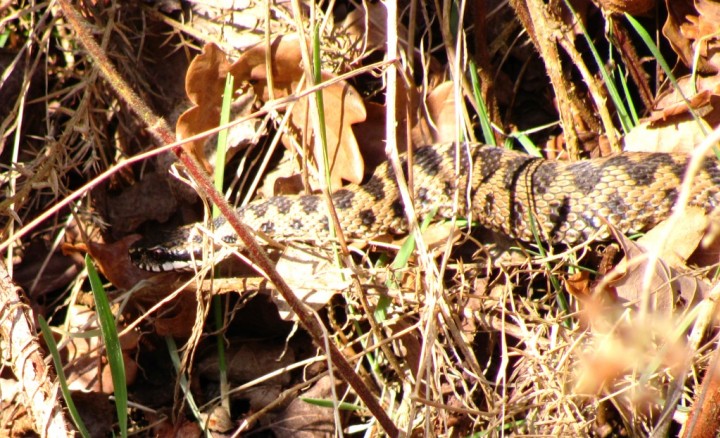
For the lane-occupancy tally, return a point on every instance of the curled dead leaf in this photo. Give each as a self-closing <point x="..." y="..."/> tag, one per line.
<point x="666" y="288"/>
<point x="286" y="76"/>
<point x="204" y="84"/>
<point x="699" y="94"/>
<point x="691" y="27"/>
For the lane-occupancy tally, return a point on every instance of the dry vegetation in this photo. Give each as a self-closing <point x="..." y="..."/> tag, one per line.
<point x="458" y="333"/>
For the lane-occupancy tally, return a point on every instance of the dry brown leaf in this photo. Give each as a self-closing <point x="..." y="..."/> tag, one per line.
<point x="39" y="273"/>
<point x="433" y="122"/>
<point x="441" y="106"/>
<point x="87" y="368"/>
<point x="304" y="420"/>
<point x="177" y="319"/>
<point x="371" y="133"/>
<point x="149" y="199"/>
<point x="698" y="93"/>
<point x="314" y="280"/>
<point x="284" y="179"/>
<point x="82" y="354"/>
<point x="692" y="27"/>
<point x="681" y="137"/>
<point x="703" y="30"/>
<point x="671" y="127"/>
<point x="204" y="84"/>
<point x="366" y="27"/>
<point x="343" y="108"/>
<point x="343" y="105"/>
<point x="578" y="285"/>
<point x="183" y="428"/>
<point x="286" y="66"/>
<point x="131" y="370"/>
<point x="628" y="280"/>
<point x="250" y="360"/>
<point x="675" y="245"/>
<point x="667" y="284"/>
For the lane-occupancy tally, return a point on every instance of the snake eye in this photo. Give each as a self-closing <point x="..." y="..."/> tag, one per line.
<point x="229" y="239"/>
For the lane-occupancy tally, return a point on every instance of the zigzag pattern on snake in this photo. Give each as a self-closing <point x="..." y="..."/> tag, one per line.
<point x="569" y="201"/>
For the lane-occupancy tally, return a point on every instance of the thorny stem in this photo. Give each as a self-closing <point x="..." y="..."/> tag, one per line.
<point x="266" y="268"/>
<point x="158" y="127"/>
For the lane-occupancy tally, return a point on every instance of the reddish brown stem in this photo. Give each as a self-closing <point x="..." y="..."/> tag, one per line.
<point x="306" y="318"/>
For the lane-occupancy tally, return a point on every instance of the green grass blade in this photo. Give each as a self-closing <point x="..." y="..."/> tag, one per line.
<point x="320" y="103"/>
<point x="217" y="301"/>
<point x="317" y="79"/>
<point x="408" y="247"/>
<point x="485" y="124"/>
<point x="184" y="385"/>
<point x="625" y="119"/>
<point x="527" y="144"/>
<point x="650" y="44"/>
<point x="559" y="295"/>
<point x="4" y="38"/>
<point x="400" y="262"/>
<point x="222" y="139"/>
<point x="626" y="91"/>
<point x="219" y="319"/>
<point x="343" y="406"/>
<point x="642" y="33"/>
<point x="666" y="68"/>
<point x="52" y="347"/>
<point x="112" y="345"/>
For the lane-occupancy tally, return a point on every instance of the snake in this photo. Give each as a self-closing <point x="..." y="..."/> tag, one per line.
<point x="515" y="194"/>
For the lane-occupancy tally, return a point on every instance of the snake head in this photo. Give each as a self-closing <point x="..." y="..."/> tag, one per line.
<point x="163" y="259"/>
<point x="178" y="250"/>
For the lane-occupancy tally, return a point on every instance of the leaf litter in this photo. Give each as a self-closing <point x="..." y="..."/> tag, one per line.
<point x="496" y="353"/>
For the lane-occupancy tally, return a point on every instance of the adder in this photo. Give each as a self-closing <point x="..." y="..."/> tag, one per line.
<point x="505" y="191"/>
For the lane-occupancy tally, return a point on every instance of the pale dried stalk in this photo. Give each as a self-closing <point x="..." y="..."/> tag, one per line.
<point x="22" y="351"/>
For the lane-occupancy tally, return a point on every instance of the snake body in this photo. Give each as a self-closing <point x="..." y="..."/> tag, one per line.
<point x="505" y="191"/>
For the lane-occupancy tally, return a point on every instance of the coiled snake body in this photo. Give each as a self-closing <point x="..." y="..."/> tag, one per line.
<point x="506" y="191"/>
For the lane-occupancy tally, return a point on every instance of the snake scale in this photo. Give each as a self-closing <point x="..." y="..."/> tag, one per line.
<point x="501" y="189"/>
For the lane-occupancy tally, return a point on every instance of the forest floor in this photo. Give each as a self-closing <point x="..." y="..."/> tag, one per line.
<point x="109" y="116"/>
